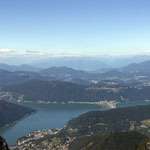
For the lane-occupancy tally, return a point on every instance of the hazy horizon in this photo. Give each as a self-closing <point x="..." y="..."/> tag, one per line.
<point x="87" y="63"/>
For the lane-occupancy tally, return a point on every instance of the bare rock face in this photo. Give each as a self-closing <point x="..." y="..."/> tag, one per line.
<point x="3" y="144"/>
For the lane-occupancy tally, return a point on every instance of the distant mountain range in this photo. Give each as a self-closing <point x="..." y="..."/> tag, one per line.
<point x="64" y="73"/>
<point x="10" y="113"/>
<point x="8" y="78"/>
<point x="143" y="67"/>
<point x="138" y="67"/>
<point x="86" y="64"/>
<point x="76" y="62"/>
<point x="121" y="61"/>
<point x="23" y="67"/>
<point x="91" y="63"/>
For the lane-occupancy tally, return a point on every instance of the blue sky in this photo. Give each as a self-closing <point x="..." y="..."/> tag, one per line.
<point x="87" y="27"/>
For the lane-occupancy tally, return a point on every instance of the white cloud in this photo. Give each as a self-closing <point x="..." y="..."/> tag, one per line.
<point x="6" y="51"/>
<point x="147" y="52"/>
<point x="63" y="54"/>
<point x="32" y="53"/>
<point x="12" y="53"/>
<point x="50" y="53"/>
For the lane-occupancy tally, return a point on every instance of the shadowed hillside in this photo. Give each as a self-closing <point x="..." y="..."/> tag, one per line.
<point x="11" y="112"/>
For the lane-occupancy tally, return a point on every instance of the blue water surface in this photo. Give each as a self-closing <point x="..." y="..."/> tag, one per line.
<point x="50" y="116"/>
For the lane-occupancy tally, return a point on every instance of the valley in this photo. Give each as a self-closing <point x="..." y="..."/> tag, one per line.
<point x="62" y="92"/>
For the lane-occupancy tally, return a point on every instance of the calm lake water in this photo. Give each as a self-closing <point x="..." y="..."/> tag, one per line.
<point x="50" y="116"/>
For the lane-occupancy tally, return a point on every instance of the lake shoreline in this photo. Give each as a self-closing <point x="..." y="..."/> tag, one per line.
<point x="52" y="115"/>
<point x="14" y="122"/>
<point x="108" y="104"/>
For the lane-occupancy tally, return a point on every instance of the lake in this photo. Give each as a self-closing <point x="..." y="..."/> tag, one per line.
<point x="50" y="116"/>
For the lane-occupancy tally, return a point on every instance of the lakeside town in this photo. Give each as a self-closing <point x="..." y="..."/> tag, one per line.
<point x="30" y="141"/>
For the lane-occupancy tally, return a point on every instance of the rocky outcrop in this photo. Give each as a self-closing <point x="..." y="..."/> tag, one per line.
<point x="3" y="144"/>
